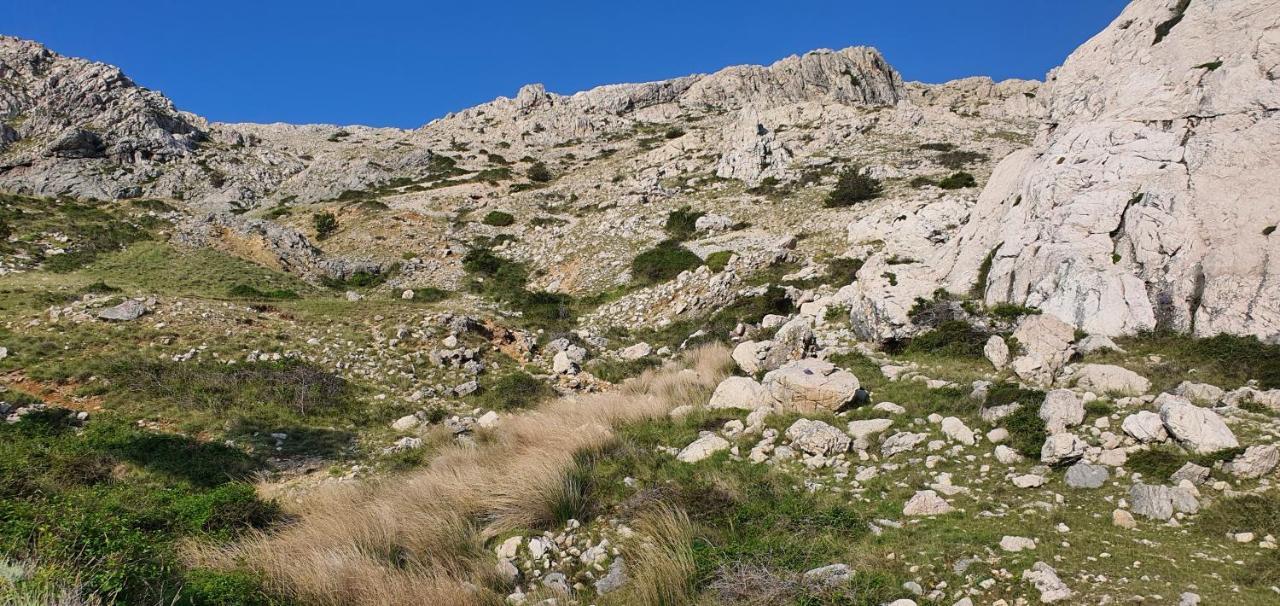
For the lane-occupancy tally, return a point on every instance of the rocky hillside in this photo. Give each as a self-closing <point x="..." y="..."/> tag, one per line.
<point x="791" y="334"/>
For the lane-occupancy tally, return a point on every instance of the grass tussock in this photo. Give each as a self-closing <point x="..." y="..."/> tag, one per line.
<point x="662" y="562"/>
<point x="420" y="538"/>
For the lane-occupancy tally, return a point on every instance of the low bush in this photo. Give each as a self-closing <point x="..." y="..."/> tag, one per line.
<point x="853" y="187"/>
<point x="1026" y="429"/>
<point x="718" y="260"/>
<point x="663" y="262"/>
<point x="497" y="218"/>
<point x="681" y="223"/>
<point x="957" y="159"/>
<point x="244" y="291"/>
<point x="325" y="224"/>
<point x="842" y="271"/>
<point x="539" y="173"/>
<point x="958" y="180"/>
<point x="514" y="391"/>
<point x="951" y="338"/>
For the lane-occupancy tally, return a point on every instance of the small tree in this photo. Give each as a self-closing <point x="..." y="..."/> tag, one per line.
<point x="325" y="224"/>
<point x="539" y="172"/>
<point x="853" y="187"/>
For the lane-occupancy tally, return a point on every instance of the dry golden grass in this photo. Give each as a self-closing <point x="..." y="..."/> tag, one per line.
<point x="660" y="563"/>
<point x="420" y="537"/>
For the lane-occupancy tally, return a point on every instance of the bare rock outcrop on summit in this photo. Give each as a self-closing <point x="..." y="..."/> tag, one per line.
<point x="1147" y="198"/>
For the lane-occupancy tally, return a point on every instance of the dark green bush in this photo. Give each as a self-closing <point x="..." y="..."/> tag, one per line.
<point x="853" y="187"/>
<point x="663" y="262"/>
<point x="681" y="223"/>
<point x="1011" y="311"/>
<point x="842" y="271"/>
<point x="539" y="173"/>
<point x="957" y="159"/>
<point x="514" y="391"/>
<point x="718" y="260"/>
<point x="325" y="224"/>
<point x="951" y="338"/>
<point x="958" y="180"/>
<point x="1027" y="431"/>
<point x="498" y="218"/>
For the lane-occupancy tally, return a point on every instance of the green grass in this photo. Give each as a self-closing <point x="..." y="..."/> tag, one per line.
<point x="718" y="260"/>
<point x="111" y="506"/>
<point x="1224" y="360"/>
<point x="507" y="281"/>
<point x="617" y="370"/>
<point x="953" y="338"/>
<point x="93" y="229"/>
<point x="160" y="268"/>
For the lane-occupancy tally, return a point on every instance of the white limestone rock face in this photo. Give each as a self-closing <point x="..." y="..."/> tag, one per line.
<point x="1144" y="198"/>
<point x="1199" y="429"/>
<point x="706" y="445"/>
<point x="1145" y="426"/>
<point x="926" y="503"/>
<point x="753" y="153"/>
<point x="1254" y="462"/>
<point x="996" y="351"/>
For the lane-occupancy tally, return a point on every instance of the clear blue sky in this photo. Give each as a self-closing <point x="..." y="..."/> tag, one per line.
<point x="402" y="63"/>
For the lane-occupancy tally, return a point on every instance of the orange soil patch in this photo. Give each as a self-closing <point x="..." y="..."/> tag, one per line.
<point x="61" y="395"/>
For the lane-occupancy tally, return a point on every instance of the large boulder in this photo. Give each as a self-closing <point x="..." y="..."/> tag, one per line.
<point x="810" y="385"/>
<point x="1254" y="462"/>
<point x="817" y="438"/>
<point x="702" y="448"/>
<point x="1199" y="429"/>
<point x="743" y="393"/>
<point x="1061" y="409"/>
<point x="1112" y="380"/>
<point x="1062" y="448"/>
<point x="1145" y="426"/>
<point x="1046" y="343"/>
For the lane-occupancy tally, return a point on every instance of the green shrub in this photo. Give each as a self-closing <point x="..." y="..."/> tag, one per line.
<point x="539" y="173"/>
<point x="940" y="147"/>
<point x="616" y="371"/>
<point x="514" y="391"/>
<point x="426" y="294"/>
<point x="325" y="224"/>
<point x="842" y="271"/>
<point x="979" y="288"/>
<point x="1012" y="311"/>
<point x="663" y="262"/>
<point x="951" y="338"/>
<point x="497" y="218"/>
<point x="718" y="260"/>
<point x="853" y="187"/>
<point x="921" y="181"/>
<point x="674" y="133"/>
<point x="682" y="223"/>
<point x="358" y="279"/>
<point x="1026" y="429"/>
<point x="957" y="159"/>
<point x="958" y="180"/>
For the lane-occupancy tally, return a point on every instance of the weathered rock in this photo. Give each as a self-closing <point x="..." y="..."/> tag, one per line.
<point x="1145" y="426"/>
<point x="1097" y="343"/>
<point x="1061" y="409"/>
<point x="955" y="429"/>
<point x="1046" y="581"/>
<point x="810" y="385"/>
<point x="1254" y="462"/>
<point x="1047" y="343"/>
<point x="635" y="352"/>
<point x="831" y="575"/>
<point x="615" y="579"/>
<point x="706" y="445"/>
<point x="901" y="442"/>
<point x="743" y="393"/>
<point x="1091" y="224"/>
<point x="996" y="351"/>
<point x="1159" y="502"/>
<point x="926" y="503"/>
<point x="1062" y="448"/>
<point x="1199" y="393"/>
<point x="749" y="355"/>
<point x="1123" y="519"/>
<point x="1112" y="380"/>
<point x="794" y="341"/>
<point x="1014" y="544"/>
<point x="1199" y="429"/>
<point x="1191" y="472"/>
<point x="1085" y="475"/>
<point x="125" y="312"/>
<point x="817" y="438"/>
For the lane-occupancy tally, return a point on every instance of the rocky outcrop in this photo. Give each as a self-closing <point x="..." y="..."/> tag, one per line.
<point x="1145" y="199"/>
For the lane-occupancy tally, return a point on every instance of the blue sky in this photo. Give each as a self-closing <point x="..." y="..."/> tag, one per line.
<point x="402" y="63"/>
